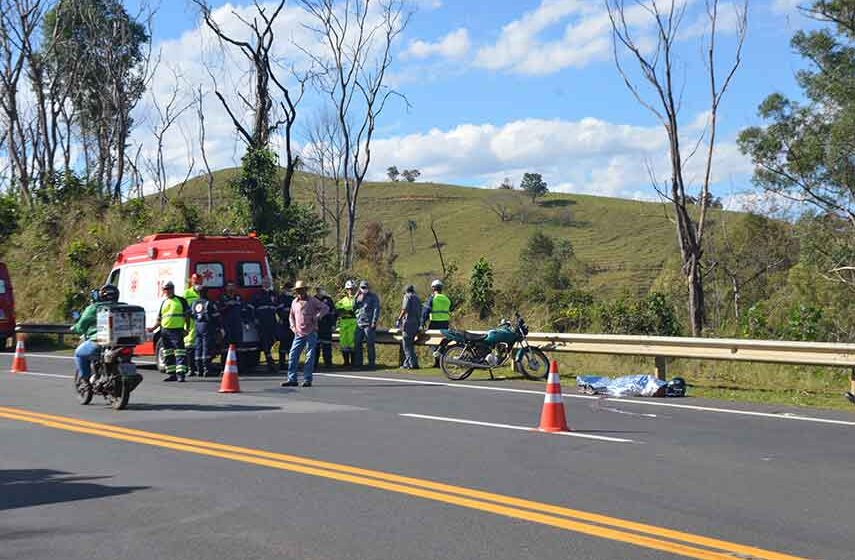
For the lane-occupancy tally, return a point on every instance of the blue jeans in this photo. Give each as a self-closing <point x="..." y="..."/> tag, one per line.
<point x="364" y="334"/>
<point x="83" y="356"/>
<point x="311" y="342"/>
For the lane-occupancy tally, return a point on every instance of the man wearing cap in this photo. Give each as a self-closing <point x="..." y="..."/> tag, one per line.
<point x="305" y="313"/>
<point x="346" y="322"/>
<point x="366" y="307"/>
<point x="408" y="322"/>
<point x="437" y="311"/>
<point x="172" y="320"/>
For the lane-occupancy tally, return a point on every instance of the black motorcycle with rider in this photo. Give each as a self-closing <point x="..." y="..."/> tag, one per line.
<point x="104" y="359"/>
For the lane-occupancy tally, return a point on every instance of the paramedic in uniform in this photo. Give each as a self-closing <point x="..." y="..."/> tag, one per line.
<point x="206" y="317"/>
<point x="232" y="311"/>
<point x="263" y="309"/>
<point x="284" y="334"/>
<point x="172" y="320"/>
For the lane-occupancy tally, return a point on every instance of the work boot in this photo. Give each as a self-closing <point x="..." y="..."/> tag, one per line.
<point x="172" y="377"/>
<point x="181" y="379"/>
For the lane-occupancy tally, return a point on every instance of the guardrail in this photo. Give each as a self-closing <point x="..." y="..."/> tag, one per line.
<point x="661" y="348"/>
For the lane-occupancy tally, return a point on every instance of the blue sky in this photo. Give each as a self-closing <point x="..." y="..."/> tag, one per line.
<point x="497" y="88"/>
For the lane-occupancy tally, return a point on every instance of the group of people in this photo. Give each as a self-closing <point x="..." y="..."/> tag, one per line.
<point x="192" y="326"/>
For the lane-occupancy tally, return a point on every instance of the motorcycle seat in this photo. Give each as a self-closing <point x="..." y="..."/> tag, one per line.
<point x="469" y="336"/>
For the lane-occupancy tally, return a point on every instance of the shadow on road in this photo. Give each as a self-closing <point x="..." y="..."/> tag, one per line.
<point x="202" y="407"/>
<point x="35" y="487"/>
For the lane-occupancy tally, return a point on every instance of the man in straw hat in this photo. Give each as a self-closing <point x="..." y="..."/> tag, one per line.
<point x="306" y="311"/>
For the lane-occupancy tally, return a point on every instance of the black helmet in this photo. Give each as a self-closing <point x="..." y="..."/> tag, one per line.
<point x="108" y="292"/>
<point x="676" y="387"/>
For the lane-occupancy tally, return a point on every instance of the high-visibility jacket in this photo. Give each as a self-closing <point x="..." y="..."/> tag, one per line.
<point x="190" y="295"/>
<point x="440" y="308"/>
<point x="173" y="313"/>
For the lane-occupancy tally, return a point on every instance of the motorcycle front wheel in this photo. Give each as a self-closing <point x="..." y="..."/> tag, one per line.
<point x="83" y="390"/>
<point x="453" y="371"/>
<point x="533" y="364"/>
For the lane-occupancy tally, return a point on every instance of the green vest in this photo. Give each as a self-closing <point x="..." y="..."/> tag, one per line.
<point x="191" y="296"/>
<point x="172" y="314"/>
<point x="344" y="308"/>
<point x="440" y="308"/>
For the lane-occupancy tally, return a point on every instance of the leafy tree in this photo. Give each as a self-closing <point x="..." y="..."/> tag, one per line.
<point x="482" y="296"/>
<point x="652" y="315"/>
<point x="804" y="151"/>
<point x="99" y="56"/>
<point x="534" y="185"/>
<point x="393" y="173"/>
<point x="410" y="175"/>
<point x="9" y="213"/>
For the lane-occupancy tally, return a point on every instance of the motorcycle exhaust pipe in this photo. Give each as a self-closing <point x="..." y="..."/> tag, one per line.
<point x="464" y="363"/>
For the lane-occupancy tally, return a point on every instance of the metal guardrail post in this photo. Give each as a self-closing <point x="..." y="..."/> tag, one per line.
<point x="661" y="368"/>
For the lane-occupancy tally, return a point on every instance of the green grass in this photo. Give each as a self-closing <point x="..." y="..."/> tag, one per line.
<point x="622" y="243"/>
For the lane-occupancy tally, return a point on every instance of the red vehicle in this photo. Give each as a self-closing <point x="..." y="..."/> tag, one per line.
<point x="7" y="307"/>
<point x="141" y="270"/>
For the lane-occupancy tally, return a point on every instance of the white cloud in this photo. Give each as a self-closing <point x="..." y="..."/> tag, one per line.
<point x="586" y="156"/>
<point x="454" y="45"/>
<point x="786" y="6"/>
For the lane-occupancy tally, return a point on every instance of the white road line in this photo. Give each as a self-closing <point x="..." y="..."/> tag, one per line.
<point x="61" y="376"/>
<point x="521" y="428"/>
<point x="55" y="357"/>
<point x="698" y="408"/>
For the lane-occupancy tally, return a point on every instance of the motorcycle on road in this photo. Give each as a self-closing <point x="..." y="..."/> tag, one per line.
<point x="114" y="376"/>
<point x="463" y="352"/>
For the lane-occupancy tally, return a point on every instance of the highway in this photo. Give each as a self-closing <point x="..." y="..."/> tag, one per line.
<point x="391" y="466"/>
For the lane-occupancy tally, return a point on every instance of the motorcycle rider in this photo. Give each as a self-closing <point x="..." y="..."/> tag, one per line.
<point x="346" y="322"/>
<point x="437" y="311"/>
<point x="87" y="326"/>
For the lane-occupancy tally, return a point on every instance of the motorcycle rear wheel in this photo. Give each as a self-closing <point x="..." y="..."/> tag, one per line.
<point x="84" y="392"/>
<point x="453" y="371"/>
<point x="119" y="400"/>
<point x="533" y="364"/>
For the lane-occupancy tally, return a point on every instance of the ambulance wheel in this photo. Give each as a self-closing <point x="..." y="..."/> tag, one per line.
<point x="158" y="353"/>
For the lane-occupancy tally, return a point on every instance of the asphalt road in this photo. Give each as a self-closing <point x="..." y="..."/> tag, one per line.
<point x="317" y="473"/>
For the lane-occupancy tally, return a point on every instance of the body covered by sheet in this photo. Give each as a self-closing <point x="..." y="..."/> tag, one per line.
<point x="628" y="386"/>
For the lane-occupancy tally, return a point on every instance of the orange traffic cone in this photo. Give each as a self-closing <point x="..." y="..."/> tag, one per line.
<point x="19" y="362"/>
<point x="552" y="418"/>
<point x="230" y="382"/>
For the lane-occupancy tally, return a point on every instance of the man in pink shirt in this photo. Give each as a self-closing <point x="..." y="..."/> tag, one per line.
<point x="305" y="313"/>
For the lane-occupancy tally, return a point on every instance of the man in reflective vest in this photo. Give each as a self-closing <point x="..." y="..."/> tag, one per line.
<point x="436" y="312"/>
<point x="191" y="294"/>
<point x="172" y="321"/>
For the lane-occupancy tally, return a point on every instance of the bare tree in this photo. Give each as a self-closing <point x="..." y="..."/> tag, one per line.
<point x="325" y="158"/>
<point x="198" y="99"/>
<point x="656" y="75"/>
<point x="357" y="38"/>
<point x="168" y="114"/>
<point x="438" y="245"/>
<point x="19" y="20"/>
<point x="265" y="71"/>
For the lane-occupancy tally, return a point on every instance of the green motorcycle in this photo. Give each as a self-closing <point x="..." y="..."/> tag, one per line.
<point x="461" y="352"/>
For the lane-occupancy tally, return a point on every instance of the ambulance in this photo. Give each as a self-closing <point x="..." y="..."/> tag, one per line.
<point x="141" y="270"/>
<point x="7" y="307"/>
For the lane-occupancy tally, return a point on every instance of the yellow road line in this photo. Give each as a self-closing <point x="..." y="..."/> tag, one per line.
<point x="460" y="496"/>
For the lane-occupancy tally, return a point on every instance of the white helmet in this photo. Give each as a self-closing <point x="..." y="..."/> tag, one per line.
<point x="349" y="285"/>
<point x="436" y="284"/>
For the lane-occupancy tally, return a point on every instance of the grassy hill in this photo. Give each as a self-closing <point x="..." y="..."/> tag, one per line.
<point x="623" y="244"/>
